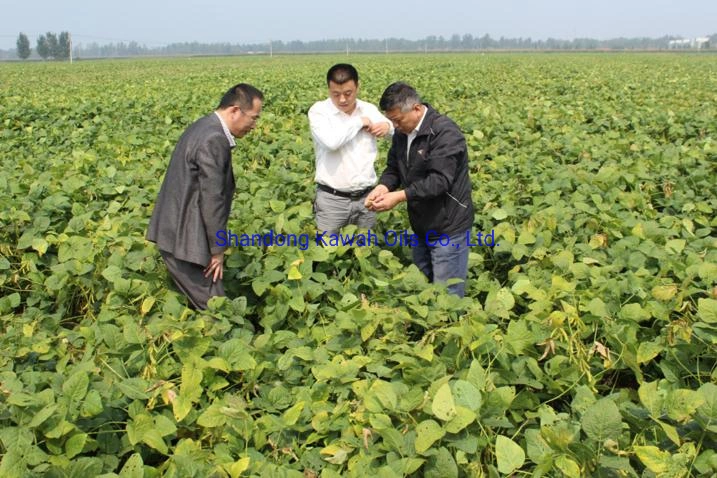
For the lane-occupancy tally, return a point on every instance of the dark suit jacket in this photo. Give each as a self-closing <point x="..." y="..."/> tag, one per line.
<point x="196" y="195"/>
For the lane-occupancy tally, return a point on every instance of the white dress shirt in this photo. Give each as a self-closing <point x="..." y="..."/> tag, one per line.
<point x="230" y="137"/>
<point x="345" y="152"/>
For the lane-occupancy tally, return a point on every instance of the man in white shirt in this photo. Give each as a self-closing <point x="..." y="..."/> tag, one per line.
<point x="344" y="130"/>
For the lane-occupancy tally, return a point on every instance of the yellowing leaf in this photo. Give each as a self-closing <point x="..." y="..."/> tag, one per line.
<point x="40" y="245"/>
<point x="664" y="292"/>
<point x="238" y="467"/>
<point x="335" y="454"/>
<point x="427" y="433"/>
<point x="656" y="460"/>
<point x="510" y="455"/>
<point x="462" y="419"/>
<point x="147" y="304"/>
<point x="443" y="406"/>
<point x="294" y="273"/>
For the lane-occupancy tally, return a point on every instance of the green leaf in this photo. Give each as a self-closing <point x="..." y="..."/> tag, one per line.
<point x="670" y="431"/>
<point x="467" y="395"/>
<point x="291" y="416"/>
<point x="499" y="303"/>
<point x="709" y="408"/>
<point x="164" y="425"/>
<point x="154" y="439"/>
<point x="675" y="246"/>
<point x="427" y="433"/>
<point x="443" y="466"/>
<point x="212" y="417"/>
<point x="133" y="388"/>
<point x="75" y="444"/>
<point x="650" y="398"/>
<point x="682" y="404"/>
<point x="499" y="214"/>
<point x="602" y="420"/>
<point x="40" y="417"/>
<point x="191" y="386"/>
<point x="112" y="273"/>
<point x="648" y="351"/>
<point x="40" y="245"/>
<point x="75" y="387"/>
<point x="335" y="454"/>
<point x="510" y="455"/>
<point x="385" y="394"/>
<point x="133" y="468"/>
<point x="236" y="354"/>
<point x="707" y="310"/>
<point x="708" y="271"/>
<point x="563" y="260"/>
<point x="634" y="312"/>
<point x="567" y="466"/>
<point x="463" y="418"/>
<point x="477" y="375"/>
<point x="597" y="308"/>
<point x="443" y="405"/>
<point x="518" y="337"/>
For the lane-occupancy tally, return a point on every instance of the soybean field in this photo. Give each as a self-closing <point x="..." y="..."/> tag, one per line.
<point x="586" y="344"/>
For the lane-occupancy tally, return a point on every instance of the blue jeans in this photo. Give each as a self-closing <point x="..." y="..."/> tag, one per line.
<point x="442" y="262"/>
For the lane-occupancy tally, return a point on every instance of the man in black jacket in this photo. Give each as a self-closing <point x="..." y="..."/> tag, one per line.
<point x="429" y="159"/>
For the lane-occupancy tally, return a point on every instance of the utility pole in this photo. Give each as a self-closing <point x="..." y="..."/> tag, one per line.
<point x="69" y="39"/>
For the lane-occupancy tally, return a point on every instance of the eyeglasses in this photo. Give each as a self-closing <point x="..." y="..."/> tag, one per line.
<point x="253" y="118"/>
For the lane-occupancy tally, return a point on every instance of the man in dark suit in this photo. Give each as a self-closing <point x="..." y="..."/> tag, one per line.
<point x="196" y="195"/>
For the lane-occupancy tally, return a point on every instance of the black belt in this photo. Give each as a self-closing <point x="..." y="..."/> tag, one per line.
<point x="344" y="194"/>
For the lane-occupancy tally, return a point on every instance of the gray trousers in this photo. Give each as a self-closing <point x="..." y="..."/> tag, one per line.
<point x="334" y="212"/>
<point x="190" y="280"/>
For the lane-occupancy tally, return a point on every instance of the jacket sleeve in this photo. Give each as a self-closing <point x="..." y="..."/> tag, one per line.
<point x="390" y="176"/>
<point x="331" y="133"/>
<point x="212" y="159"/>
<point x="447" y="148"/>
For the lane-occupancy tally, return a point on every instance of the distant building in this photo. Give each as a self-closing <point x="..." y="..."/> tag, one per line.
<point x="699" y="43"/>
<point x="702" y="43"/>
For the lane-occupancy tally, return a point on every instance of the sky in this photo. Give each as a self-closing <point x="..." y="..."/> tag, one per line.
<point x="161" y="22"/>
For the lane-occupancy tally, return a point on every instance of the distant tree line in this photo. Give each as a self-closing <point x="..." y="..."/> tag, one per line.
<point x="57" y="47"/>
<point x="49" y="45"/>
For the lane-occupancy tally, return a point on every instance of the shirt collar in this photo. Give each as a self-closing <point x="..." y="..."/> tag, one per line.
<point x="336" y="110"/>
<point x="230" y="137"/>
<point x="418" y="126"/>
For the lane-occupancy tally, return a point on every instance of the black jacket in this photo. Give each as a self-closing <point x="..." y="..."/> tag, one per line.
<point x="435" y="178"/>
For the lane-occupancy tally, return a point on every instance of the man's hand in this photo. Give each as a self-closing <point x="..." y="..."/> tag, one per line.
<point x="385" y="201"/>
<point x="379" y="130"/>
<point x="378" y="191"/>
<point x="215" y="267"/>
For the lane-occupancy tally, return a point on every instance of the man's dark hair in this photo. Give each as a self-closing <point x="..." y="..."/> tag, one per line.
<point x="341" y="73"/>
<point x="399" y="95"/>
<point x="241" y="95"/>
